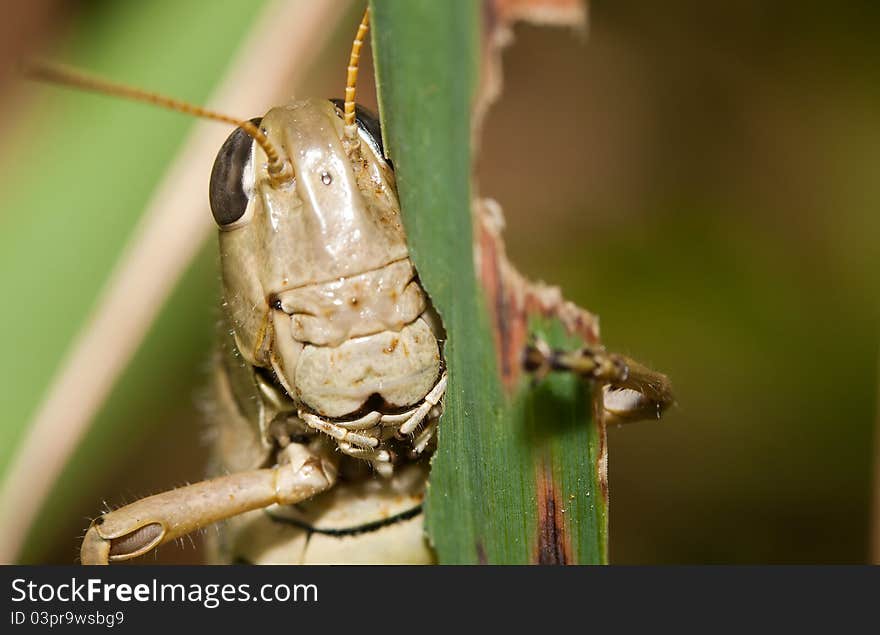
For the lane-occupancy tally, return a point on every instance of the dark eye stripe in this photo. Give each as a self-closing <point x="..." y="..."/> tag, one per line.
<point x="368" y="123"/>
<point x="225" y="191"/>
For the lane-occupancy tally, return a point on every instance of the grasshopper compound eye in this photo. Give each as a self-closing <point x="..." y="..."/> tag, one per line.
<point x="228" y="192"/>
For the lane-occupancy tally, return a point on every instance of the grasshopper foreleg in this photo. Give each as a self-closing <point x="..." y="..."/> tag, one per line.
<point x="631" y="390"/>
<point x="138" y="528"/>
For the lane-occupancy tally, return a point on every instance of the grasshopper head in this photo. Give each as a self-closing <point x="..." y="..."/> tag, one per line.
<point x="336" y="216"/>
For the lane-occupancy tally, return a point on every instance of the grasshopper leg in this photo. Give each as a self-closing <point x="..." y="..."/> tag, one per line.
<point x="138" y="528"/>
<point x="632" y="391"/>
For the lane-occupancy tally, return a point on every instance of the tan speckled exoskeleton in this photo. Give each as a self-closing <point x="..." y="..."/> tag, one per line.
<point x="330" y="376"/>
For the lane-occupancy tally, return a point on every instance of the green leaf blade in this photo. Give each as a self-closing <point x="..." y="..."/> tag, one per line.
<point x="517" y="478"/>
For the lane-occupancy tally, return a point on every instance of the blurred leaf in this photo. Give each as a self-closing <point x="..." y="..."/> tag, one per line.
<point x="78" y="171"/>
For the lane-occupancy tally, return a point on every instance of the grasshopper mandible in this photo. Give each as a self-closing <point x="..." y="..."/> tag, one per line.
<point x="330" y="378"/>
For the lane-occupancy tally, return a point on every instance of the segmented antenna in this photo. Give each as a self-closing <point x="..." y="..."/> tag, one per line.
<point x="351" y="80"/>
<point x="59" y="74"/>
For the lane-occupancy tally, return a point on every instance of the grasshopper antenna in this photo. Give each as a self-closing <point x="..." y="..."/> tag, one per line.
<point x="351" y="133"/>
<point x="279" y="170"/>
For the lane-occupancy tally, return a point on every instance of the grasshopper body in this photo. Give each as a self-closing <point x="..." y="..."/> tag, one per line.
<point x="327" y="326"/>
<point x="331" y="375"/>
<point x="330" y="378"/>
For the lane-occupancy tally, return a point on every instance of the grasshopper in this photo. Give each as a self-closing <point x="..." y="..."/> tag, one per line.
<point x="330" y="375"/>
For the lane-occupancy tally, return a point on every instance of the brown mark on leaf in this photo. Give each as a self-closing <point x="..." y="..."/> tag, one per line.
<point x="499" y="16"/>
<point x="513" y="299"/>
<point x="602" y="449"/>
<point x="550" y="12"/>
<point x="482" y="558"/>
<point x="553" y="544"/>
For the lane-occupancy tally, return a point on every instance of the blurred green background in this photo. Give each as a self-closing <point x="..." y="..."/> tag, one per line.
<point x="702" y="177"/>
